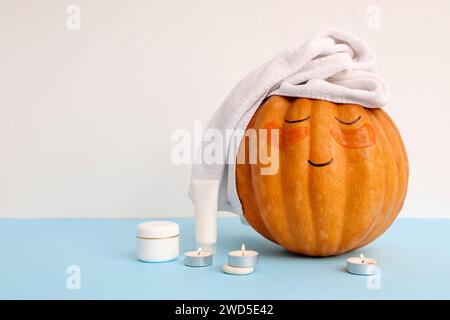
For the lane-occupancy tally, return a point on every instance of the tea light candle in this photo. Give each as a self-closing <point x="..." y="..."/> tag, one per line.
<point x="362" y="265"/>
<point x="198" y="258"/>
<point x="242" y="258"/>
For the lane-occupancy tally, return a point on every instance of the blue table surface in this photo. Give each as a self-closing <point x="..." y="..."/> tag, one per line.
<point x="414" y="258"/>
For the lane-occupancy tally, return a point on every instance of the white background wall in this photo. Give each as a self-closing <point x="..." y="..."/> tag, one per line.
<point x="86" y="115"/>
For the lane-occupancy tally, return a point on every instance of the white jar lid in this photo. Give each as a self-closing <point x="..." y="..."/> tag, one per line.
<point x="157" y="230"/>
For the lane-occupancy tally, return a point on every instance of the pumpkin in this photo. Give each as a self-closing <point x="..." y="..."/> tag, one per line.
<point x="341" y="180"/>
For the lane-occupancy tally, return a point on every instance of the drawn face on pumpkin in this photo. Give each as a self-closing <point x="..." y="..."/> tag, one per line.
<point x="345" y="124"/>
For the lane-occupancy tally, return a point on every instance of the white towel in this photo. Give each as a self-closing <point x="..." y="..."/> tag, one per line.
<point x="333" y="65"/>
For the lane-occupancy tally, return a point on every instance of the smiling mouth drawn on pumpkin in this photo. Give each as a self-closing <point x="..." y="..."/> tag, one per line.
<point x="323" y="164"/>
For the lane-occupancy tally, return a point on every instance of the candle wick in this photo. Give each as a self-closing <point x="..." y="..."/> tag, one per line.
<point x="362" y="258"/>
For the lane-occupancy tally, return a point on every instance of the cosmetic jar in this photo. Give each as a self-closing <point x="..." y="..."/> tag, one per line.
<point x="157" y="241"/>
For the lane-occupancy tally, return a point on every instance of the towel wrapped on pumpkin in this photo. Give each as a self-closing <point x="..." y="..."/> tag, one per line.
<point x="333" y="65"/>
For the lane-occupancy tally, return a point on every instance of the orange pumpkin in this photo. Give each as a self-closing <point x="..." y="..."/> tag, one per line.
<point x="341" y="181"/>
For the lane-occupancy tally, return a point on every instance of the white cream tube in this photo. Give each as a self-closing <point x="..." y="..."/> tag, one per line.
<point x="206" y="197"/>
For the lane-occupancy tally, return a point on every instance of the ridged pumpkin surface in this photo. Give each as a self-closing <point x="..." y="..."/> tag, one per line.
<point x="341" y="181"/>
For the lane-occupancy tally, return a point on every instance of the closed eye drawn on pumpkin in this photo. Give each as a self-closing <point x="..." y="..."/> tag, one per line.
<point x="350" y="122"/>
<point x="296" y="121"/>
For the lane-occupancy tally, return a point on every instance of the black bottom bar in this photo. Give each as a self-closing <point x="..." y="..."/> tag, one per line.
<point x="232" y="309"/>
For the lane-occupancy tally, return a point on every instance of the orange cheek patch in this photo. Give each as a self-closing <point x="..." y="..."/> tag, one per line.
<point x="355" y="138"/>
<point x="287" y="136"/>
